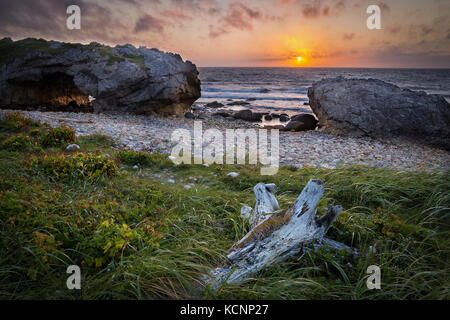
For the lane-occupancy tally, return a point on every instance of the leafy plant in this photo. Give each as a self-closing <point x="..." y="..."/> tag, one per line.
<point x="15" y="121"/>
<point x="56" y="137"/>
<point x="145" y="159"/>
<point x="78" y="165"/>
<point x="16" y="143"/>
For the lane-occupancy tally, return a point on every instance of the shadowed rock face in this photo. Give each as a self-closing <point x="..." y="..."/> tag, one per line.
<point x="39" y="73"/>
<point x="376" y="108"/>
<point x="301" y="122"/>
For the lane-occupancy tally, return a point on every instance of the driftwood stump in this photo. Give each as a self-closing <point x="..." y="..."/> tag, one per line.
<point x="277" y="235"/>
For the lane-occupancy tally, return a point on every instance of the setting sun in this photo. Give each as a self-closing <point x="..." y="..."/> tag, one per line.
<point x="299" y="58"/>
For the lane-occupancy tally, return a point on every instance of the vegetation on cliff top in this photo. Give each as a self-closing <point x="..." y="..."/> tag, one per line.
<point x="135" y="235"/>
<point x="10" y="49"/>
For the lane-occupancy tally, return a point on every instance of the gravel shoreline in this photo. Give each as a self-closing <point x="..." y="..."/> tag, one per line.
<point x="310" y="148"/>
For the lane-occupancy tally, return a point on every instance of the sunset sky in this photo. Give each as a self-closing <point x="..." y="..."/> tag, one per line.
<point x="325" y="33"/>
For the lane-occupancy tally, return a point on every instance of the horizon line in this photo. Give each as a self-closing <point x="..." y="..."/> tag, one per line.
<point x="280" y="67"/>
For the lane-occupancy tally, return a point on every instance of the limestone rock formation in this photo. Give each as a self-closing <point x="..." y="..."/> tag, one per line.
<point x="50" y="74"/>
<point x="376" y="108"/>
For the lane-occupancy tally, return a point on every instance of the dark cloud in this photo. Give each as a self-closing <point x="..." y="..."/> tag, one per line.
<point x="47" y="19"/>
<point x="421" y="30"/>
<point x="132" y="2"/>
<point x="253" y="14"/>
<point x="45" y="16"/>
<point x="311" y="10"/>
<point x="237" y="19"/>
<point x="349" y="36"/>
<point x="193" y="5"/>
<point x="340" y="5"/>
<point x="149" y="23"/>
<point x="426" y="30"/>
<point x="175" y="15"/>
<point x="384" y="7"/>
<point x="215" y="32"/>
<point x="318" y="8"/>
<point x="190" y="9"/>
<point x="213" y="11"/>
<point x="240" y="17"/>
<point x="395" y="29"/>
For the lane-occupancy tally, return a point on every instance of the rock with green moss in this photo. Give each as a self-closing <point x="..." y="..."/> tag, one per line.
<point x="57" y="75"/>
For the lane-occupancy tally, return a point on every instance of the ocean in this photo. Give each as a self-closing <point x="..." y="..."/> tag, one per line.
<point x="285" y="89"/>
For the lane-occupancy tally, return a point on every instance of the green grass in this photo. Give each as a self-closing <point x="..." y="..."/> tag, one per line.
<point x="114" y="57"/>
<point x="139" y="60"/>
<point x="135" y="236"/>
<point x="108" y="52"/>
<point x="15" y="49"/>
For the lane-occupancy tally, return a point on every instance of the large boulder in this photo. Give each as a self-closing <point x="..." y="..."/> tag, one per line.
<point x="376" y="108"/>
<point x="53" y="74"/>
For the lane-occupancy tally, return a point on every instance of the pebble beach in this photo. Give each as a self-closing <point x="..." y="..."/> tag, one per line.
<point x="309" y="148"/>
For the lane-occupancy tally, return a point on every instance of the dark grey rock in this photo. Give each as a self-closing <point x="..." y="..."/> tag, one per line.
<point x="279" y="127"/>
<point x="238" y="103"/>
<point x="214" y="104"/>
<point x="301" y="122"/>
<point x="248" y="115"/>
<point x="121" y="78"/>
<point x="222" y="114"/>
<point x="376" y="108"/>
<point x="284" y="117"/>
<point x="189" y="115"/>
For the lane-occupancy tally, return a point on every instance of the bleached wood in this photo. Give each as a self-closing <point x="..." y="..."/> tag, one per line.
<point x="266" y="203"/>
<point x="279" y="235"/>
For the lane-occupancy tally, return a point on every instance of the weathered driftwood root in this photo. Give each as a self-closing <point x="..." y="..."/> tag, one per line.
<point x="277" y="235"/>
<point x="266" y="204"/>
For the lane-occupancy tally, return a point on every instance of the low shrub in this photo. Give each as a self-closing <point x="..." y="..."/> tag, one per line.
<point x="95" y="141"/>
<point x="134" y="158"/>
<point x="15" y="121"/>
<point x="16" y="143"/>
<point x="144" y="159"/>
<point x="112" y="239"/>
<point x="56" y="137"/>
<point x="78" y="165"/>
<point x="35" y="132"/>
